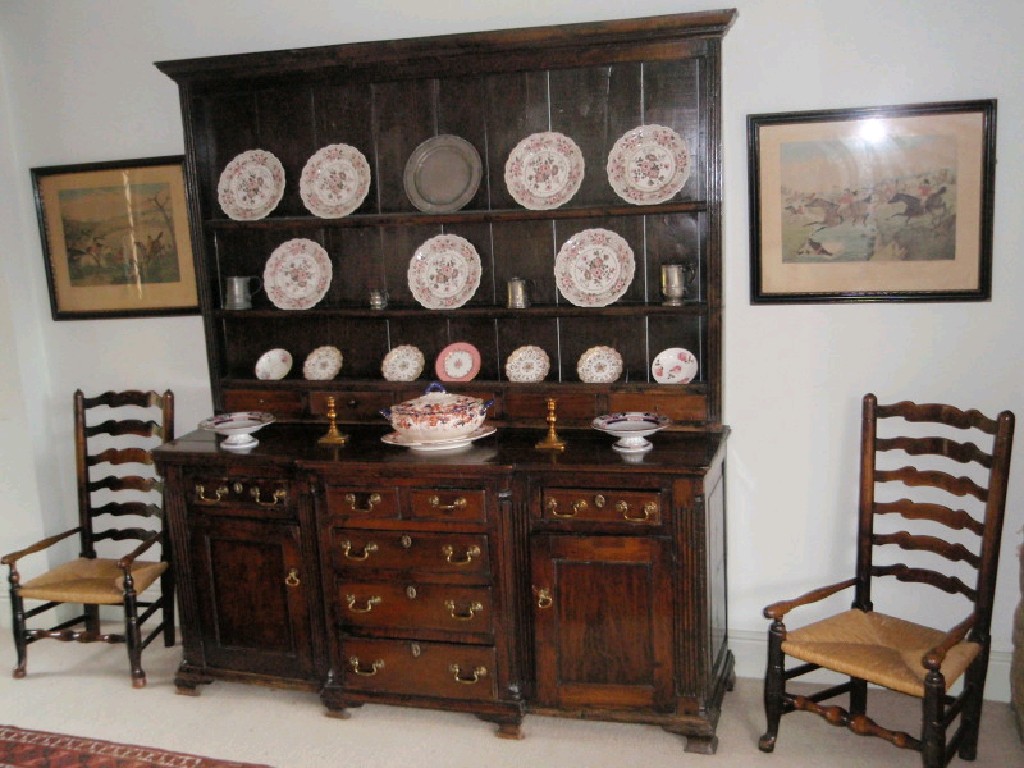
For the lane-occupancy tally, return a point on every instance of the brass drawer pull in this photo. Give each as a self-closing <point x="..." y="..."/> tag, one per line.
<point x="372" y="500"/>
<point x="650" y="510"/>
<point x="552" y="508"/>
<point x="375" y="667"/>
<point x="201" y="493"/>
<point x="544" y="598"/>
<point x="459" y="503"/>
<point x="370" y="602"/>
<point x="280" y="497"/>
<point x="346" y="547"/>
<point x="469" y="616"/>
<point x="292" y="579"/>
<point x="471" y="552"/>
<point x="477" y="674"/>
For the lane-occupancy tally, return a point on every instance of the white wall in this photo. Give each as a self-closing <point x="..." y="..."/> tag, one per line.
<point x="78" y="85"/>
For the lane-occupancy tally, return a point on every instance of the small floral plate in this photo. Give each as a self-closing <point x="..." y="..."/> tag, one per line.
<point x="403" y="363"/>
<point x="251" y="185"/>
<point x="674" y="365"/>
<point x="274" y="364"/>
<point x="322" y="363"/>
<point x="544" y="171"/>
<point x="599" y="365"/>
<point x="458" y="362"/>
<point x="527" y="364"/>
<point x="334" y="181"/>
<point x="648" y="165"/>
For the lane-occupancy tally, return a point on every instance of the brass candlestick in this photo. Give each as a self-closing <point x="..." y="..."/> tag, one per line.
<point x="332" y="436"/>
<point x="551" y="442"/>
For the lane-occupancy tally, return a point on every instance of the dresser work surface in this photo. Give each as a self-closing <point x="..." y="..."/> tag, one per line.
<point x="496" y="579"/>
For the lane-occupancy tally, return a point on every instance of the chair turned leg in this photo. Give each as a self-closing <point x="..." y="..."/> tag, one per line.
<point x="774" y="686"/>
<point x="132" y="634"/>
<point x="933" y="733"/>
<point x="18" y="629"/>
<point x="974" y="684"/>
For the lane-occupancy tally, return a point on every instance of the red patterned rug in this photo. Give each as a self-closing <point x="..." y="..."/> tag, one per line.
<point x="20" y="748"/>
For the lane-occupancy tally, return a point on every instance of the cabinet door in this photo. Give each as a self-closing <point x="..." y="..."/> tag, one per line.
<point x="252" y="592"/>
<point x="603" y="622"/>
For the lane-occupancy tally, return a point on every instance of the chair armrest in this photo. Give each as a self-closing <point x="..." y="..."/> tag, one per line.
<point x="39" y="546"/>
<point x="934" y="657"/>
<point x="126" y="562"/>
<point x="777" y="610"/>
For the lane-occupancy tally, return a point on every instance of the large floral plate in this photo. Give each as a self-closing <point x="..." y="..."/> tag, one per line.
<point x="394" y="438"/>
<point x="458" y="362"/>
<point x="544" y="170"/>
<point x="334" y="181"/>
<point x="674" y="365"/>
<point x="251" y="185"/>
<point x="297" y="274"/>
<point x="527" y="364"/>
<point x="444" y="273"/>
<point x="599" y="365"/>
<point x="322" y="364"/>
<point x="442" y="174"/>
<point x="594" y="268"/>
<point x="274" y="364"/>
<point x="403" y="363"/>
<point x="648" y="165"/>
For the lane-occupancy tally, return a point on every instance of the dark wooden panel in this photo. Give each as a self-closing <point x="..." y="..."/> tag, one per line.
<point x="405" y="115"/>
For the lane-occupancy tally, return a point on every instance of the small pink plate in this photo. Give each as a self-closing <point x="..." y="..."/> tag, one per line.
<point x="458" y="362"/>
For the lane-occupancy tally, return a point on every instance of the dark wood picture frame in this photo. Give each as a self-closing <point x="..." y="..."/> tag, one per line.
<point x="872" y="204"/>
<point x="116" y="239"/>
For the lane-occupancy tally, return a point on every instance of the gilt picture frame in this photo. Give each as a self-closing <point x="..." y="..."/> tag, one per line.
<point x="115" y="239"/>
<point x="872" y="204"/>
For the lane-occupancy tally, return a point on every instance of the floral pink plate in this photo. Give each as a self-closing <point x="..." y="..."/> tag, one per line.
<point x="403" y="363"/>
<point x="251" y="185"/>
<point x="444" y="273"/>
<point x="648" y="165"/>
<point x="322" y="364"/>
<point x="458" y="362"/>
<point x="273" y="364"/>
<point x="544" y="171"/>
<point x="334" y="181"/>
<point x="594" y="268"/>
<point x="297" y="274"/>
<point x="674" y="365"/>
<point x="527" y="364"/>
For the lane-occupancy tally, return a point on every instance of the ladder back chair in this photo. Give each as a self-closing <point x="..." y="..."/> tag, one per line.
<point x="947" y="497"/>
<point x="119" y="500"/>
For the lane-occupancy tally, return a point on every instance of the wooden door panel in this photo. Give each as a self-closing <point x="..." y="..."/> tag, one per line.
<point x="603" y="621"/>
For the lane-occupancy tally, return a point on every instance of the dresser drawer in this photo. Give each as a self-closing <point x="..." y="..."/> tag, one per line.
<point x="351" y="405"/>
<point x="241" y="496"/>
<point x="416" y="668"/>
<point x="614" y="507"/>
<point x="381" y="503"/>
<point x="443" y="556"/>
<point x="278" y="402"/>
<point x="416" y="607"/>
<point x="462" y="505"/>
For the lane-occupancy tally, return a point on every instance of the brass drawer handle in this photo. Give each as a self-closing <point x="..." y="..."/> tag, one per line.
<point x="544" y="598"/>
<point x="459" y="503"/>
<point x="372" y="500"/>
<point x="469" y="616"/>
<point x="650" y="509"/>
<point x="292" y="579"/>
<point x="280" y="497"/>
<point x="370" y="602"/>
<point x="471" y="552"/>
<point x="477" y="674"/>
<point x="346" y="547"/>
<point x="375" y="667"/>
<point x="218" y="493"/>
<point x="552" y="508"/>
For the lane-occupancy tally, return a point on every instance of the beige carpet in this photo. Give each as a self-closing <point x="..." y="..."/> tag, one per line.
<point x="84" y="690"/>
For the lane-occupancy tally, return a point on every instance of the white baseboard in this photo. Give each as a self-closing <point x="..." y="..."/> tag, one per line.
<point x="750" y="650"/>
